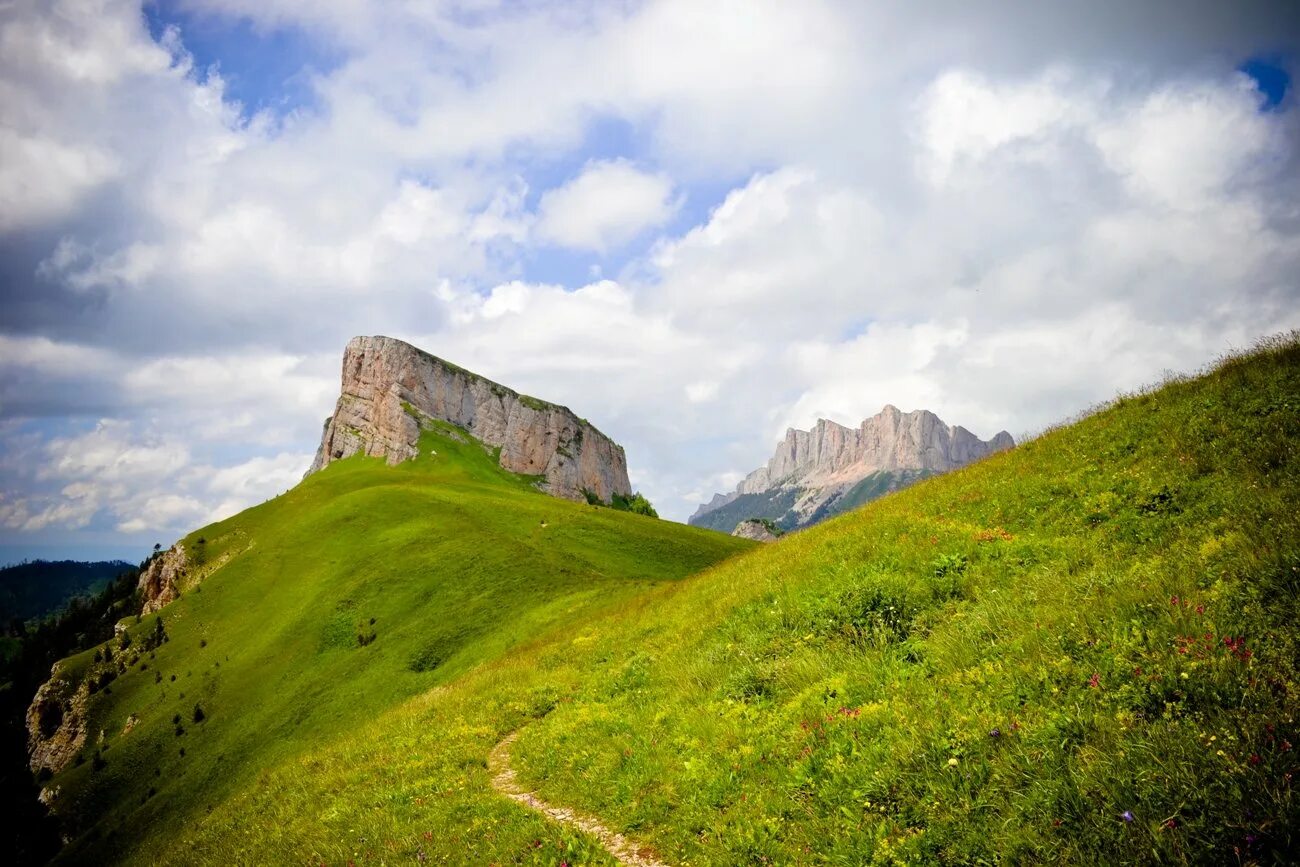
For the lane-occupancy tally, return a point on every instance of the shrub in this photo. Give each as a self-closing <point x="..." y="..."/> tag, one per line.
<point x="636" y="503"/>
<point x="198" y="714"/>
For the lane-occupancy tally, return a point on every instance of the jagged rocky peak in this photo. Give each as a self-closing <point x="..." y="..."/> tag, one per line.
<point x="816" y="473"/>
<point x="388" y="385"/>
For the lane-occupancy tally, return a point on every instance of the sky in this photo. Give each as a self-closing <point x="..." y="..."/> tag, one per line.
<point x="696" y="224"/>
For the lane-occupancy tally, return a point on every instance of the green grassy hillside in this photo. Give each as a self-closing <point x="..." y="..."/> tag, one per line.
<point x="1082" y="650"/>
<point x="363" y="586"/>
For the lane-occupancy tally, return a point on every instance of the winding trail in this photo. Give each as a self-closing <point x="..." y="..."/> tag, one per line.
<point x="504" y="781"/>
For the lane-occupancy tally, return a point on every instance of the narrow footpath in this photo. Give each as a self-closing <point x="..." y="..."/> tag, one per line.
<point x="504" y="781"/>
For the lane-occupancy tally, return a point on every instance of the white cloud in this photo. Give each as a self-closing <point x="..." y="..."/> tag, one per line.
<point x="607" y="205"/>
<point x="927" y="208"/>
<point x="1186" y="145"/>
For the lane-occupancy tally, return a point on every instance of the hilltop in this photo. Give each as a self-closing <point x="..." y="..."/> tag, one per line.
<point x="390" y="388"/>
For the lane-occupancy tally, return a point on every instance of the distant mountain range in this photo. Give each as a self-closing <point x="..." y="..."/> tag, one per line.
<point x="830" y="469"/>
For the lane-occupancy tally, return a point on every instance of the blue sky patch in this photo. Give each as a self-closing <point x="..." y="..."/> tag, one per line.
<point x="1272" y="79"/>
<point x="265" y="70"/>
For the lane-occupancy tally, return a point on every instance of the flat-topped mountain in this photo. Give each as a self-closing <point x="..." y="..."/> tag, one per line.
<point x="391" y="387"/>
<point x="832" y="468"/>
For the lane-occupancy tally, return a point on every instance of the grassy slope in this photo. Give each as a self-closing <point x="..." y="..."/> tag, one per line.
<point x="996" y="664"/>
<point x="454" y="559"/>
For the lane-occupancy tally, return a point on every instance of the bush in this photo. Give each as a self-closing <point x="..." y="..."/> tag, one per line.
<point x="636" y="503"/>
<point x="198" y="714"/>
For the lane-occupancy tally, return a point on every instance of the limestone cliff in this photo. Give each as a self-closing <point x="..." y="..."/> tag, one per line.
<point x="56" y="722"/>
<point x="388" y="384"/>
<point x="831" y="468"/>
<point x="161" y="577"/>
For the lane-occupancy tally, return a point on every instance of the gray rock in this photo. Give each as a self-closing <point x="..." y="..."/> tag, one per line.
<point x="382" y="377"/>
<point x="160" y="581"/>
<point x="755" y="529"/>
<point x="56" y="723"/>
<point x="819" y="468"/>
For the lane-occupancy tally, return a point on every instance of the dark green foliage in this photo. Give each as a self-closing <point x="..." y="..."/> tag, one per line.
<point x="636" y="503"/>
<point x="37" y="588"/>
<point x="28" y="835"/>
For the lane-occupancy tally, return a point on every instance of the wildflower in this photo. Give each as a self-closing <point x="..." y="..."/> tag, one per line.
<point x="1173" y="600"/>
<point x="1254" y="758"/>
<point x="1171" y="823"/>
<point x="952" y="763"/>
<point x="1200" y="609"/>
<point x="1095" y="680"/>
<point x="1127" y="816"/>
<point x="996" y="733"/>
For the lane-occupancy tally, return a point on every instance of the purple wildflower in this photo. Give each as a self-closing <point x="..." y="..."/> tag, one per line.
<point x="1127" y="816"/>
<point x="996" y="733"/>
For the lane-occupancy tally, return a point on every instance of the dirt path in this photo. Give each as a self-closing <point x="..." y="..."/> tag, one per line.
<point x="504" y="781"/>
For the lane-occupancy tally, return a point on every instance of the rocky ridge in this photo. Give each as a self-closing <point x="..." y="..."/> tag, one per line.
<point x="389" y="386"/>
<point x="817" y="473"/>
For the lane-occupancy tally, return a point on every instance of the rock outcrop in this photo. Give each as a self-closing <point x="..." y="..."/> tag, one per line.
<point x="160" y="579"/>
<point x="758" y="529"/>
<point x="389" y="384"/>
<point x="831" y="468"/>
<point x="56" y="723"/>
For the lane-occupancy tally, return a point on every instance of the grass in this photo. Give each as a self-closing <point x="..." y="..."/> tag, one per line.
<point x="362" y="587"/>
<point x="1082" y="650"/>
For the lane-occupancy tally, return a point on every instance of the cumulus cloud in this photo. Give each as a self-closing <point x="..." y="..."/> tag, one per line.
<point x="607" y="205"/>
<point x="1003" y="214"/>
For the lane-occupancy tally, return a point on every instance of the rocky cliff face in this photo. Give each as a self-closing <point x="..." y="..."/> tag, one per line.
<point x="831" y="468"/>
<point x="56" y="723"/>
<point x="389" y="385"/>
<point x="160" y="580"/>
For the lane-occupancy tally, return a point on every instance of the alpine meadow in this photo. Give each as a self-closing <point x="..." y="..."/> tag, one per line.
<point x="1078" y="650"/>
<point x="655" y="433"/>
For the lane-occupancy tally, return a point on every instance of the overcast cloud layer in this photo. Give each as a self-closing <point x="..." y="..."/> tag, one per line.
<point x="695" y="223"/>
